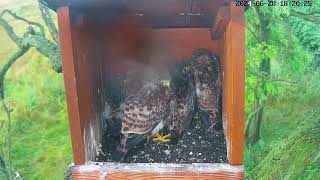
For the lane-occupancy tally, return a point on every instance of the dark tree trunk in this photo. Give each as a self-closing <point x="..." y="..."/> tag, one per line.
<point x="253" y="127"/>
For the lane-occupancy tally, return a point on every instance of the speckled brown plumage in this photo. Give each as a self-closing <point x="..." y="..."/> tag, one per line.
<point x="207" y="76"/>
<point x="182" y="104"/>
<point x="114" y="96"/>
<point x="144" y="110"/>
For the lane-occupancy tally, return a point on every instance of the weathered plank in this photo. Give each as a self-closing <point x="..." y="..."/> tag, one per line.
<point x="118" y="171"/>
<point x="220" y="23"/>
<point x="82" y="57"/>
<point x="232" y="51"/>
<point x="155" y="13"/>
<point x="174" y="44"/>
<point x="66" y="46"/>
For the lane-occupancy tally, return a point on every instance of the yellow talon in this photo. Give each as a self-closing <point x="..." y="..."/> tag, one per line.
<point x="162" y="138"/>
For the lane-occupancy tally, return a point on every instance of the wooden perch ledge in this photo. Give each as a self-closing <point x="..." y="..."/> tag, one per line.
<point x="157" y="171"/>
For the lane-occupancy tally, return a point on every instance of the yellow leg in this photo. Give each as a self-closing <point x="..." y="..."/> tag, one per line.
<point x="149" y="137"/>
<point x="162" y="138"/>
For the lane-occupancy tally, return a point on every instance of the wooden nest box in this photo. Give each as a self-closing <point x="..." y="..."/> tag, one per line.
<point x="96" y="35"/>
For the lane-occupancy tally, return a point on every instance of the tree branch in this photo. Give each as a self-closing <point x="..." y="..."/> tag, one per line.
<point x="34" y="39"/>
<point x="281" y="80"/>
<point x="3" y="167"/>
<point x="252" y="32"/>
<point x="47" y="48"/>
<point x="9" y="30"/>
<point x="7" y="66"/>
<point x="306" y="16"/>
<point x="47" y="18"/>
<point x="24" y="20"/>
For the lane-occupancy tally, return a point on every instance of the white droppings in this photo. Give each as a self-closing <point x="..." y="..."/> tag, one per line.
<point x="160" y="167"/>
<point x="87" y="168"/>
<point x="103" y="175"/>
<point x="167" y="151"/>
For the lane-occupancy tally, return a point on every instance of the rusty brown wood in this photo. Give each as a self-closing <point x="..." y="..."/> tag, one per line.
<point x="70" y="84"/>
<point x="132" y="171"/>
<point x="155" y="13"/>
<point x="82" y="57"/>
<point x="232" y="46"/>
<point x="220" y="22"/>
<point x="177" y="42"/>
<point x="87" y="49"/>
<point x="182" y="41"/>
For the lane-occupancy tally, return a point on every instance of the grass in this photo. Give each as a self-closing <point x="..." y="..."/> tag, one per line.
<point x="290" y="134"/>
<point x="41" y="147"/>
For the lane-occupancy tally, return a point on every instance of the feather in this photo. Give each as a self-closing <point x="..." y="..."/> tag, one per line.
<point x="143" y="111"/>
<point x="207" y="77"/>
<point x="182" y="104"/>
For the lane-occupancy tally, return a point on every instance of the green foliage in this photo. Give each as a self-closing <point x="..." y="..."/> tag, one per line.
<point x="290" y="92"/>
<point x="289" y="59"/>
<point x="40" y="136"/>
<point x="305" y="22"/>
<point x="41" y="146"/>
<point x="282" y="144"/>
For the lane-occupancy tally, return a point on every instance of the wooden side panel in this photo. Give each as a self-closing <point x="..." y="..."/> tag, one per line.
<point x="174" y="44"/>
<point x="135" y="171"/>
<point x="220" y="22"/>
<point x="157" y="13"/>
<point x="181" y="42"/>
<point x="82" y="58"/>
<point x="233" y="77"/>
<point x="66" y="45"/>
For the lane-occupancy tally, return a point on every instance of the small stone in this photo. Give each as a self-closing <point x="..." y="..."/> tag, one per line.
<point x="193" y="143"/>
<point x="190" y="153"/>
<point x="167" y="152"/>
<point x="199" y="154"/>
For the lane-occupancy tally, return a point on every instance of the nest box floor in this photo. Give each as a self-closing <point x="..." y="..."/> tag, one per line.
<point x="196" y="145"/>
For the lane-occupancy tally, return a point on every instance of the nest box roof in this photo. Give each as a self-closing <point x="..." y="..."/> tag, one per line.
<point x="158" y="13"/>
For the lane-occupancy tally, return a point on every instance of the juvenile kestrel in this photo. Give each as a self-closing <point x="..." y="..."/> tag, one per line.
<point x="207" y="77"/>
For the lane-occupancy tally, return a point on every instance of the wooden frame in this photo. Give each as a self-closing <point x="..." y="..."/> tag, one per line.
<point x="117" y="171"/>
<point x="84" y="51"/>
<point x="232" y="52"/>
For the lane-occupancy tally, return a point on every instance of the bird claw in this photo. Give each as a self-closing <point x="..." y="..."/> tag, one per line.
<point x="162" y="138"/>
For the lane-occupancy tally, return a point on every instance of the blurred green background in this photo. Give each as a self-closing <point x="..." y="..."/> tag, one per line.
<point x="41" y="144"/>
<point x="282" y="98"/>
